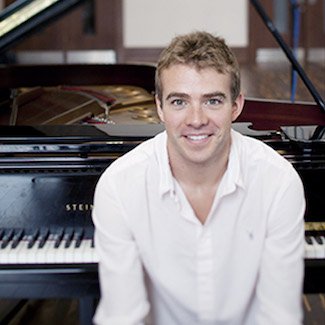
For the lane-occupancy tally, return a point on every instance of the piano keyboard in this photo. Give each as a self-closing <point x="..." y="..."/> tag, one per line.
<point x="68" y="246"/>
<point x="46" y="247"/>
<point x="314" y="240"/>
<point x="314" y="247"/>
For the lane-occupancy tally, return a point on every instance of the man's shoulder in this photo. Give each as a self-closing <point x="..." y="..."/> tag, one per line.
<point x="256" y="152"/>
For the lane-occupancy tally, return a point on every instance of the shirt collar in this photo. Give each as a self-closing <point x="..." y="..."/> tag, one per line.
<point x="233" y="176"/>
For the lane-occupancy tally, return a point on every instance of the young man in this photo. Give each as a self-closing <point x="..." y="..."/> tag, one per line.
<point x="199" y="225"/>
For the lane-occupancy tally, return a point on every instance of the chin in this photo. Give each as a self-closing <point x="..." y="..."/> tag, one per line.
<point x="198" y="158"/>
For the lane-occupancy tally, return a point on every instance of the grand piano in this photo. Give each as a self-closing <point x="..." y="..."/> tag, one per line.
<point x="61" y="126"/>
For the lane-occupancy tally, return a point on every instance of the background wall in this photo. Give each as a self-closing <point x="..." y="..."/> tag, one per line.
<point x="109" y="31"/>
<point x="152" y="23"/>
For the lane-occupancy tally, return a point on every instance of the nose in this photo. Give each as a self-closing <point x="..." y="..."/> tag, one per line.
<point x="196" y="117"/>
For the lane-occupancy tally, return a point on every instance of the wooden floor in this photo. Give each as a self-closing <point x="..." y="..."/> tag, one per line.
<point x="64" y="311"/>
<point x="267" y="81"/>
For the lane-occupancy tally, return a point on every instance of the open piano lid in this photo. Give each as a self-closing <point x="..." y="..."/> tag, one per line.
<point x="23" y="17"/>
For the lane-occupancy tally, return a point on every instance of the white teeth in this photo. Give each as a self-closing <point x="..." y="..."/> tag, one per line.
<point x="197" y="137"/>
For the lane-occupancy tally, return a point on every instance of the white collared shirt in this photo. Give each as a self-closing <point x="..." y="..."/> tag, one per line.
<point x="244" y="265"/>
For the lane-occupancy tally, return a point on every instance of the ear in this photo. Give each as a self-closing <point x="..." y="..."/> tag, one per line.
<point x="159" y="109"/>
<point x="237" y="107"/>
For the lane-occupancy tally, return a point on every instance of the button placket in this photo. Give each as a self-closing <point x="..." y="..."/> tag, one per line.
<point x="205" y="276"/>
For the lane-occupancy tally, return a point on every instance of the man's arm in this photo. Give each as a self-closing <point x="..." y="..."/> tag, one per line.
<point x="123" y="296"/>
<point x="279" y="288"/>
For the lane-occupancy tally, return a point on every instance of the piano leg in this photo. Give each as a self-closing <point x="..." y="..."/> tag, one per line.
<point x="87" y="306"/>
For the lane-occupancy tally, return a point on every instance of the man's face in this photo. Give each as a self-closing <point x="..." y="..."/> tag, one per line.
<point x="197" y="111"/>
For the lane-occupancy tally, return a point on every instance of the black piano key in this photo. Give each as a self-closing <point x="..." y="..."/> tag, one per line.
<point x="78" y="237"/>
<point x="6" y="238"/>
<point x="318" y="236"/>
<point x="67" y="238"/>
<point x="308" y="240"/>
<point x="58" y="238"/>
<point x="17" y="238"/>
<point x="319" y="240"/>
<point x="32" y="238"/>
<point x="44" y="234"/>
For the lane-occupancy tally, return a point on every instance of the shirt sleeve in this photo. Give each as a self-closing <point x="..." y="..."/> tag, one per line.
<point x="123" y="295"/>
<point x="279" y="287"/>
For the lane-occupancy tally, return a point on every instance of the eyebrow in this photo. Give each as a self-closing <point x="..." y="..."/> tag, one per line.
<point x="206" y="96"/>
<point x="176" y="94"/>
<point x="215" y="94"/>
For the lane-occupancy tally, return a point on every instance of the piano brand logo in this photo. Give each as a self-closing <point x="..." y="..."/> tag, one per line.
<point x="78" y="207"/>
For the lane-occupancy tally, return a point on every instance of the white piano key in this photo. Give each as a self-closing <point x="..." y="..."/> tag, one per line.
<point x="309" y="249"/>
<point x="58" y="253"/>
<point x="51" y="252"/>
<point x="27" y="255"/>
<point x="88" y="252"/>
<point x="323" y="239"/>
<point x="318" y="248"/>
<point x="17" y="254"/>
<point x="42" y="254"/>
<point x="5" y="254"/>
<point x="69" y="252"/>
<point x="79" y="252"/>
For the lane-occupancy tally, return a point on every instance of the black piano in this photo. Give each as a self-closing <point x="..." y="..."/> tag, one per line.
<point x="61" y="128"/>
<point x="48" y="176"/>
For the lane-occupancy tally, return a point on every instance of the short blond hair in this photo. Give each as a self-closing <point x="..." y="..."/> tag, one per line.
<point x="201" y="50"/>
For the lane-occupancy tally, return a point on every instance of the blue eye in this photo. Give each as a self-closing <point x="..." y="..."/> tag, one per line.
<point x="178" y="102"/>
<point x="214" y="101"/>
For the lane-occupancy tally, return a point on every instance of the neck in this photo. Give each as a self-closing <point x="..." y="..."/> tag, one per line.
<point x="206" y="174"/>
<point x="200" y="184"/>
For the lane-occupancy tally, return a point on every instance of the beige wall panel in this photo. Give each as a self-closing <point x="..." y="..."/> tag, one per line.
<point x="152" y="23"/>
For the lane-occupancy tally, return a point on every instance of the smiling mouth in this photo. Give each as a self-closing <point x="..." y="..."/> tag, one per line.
<point x="197" y="137"/>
